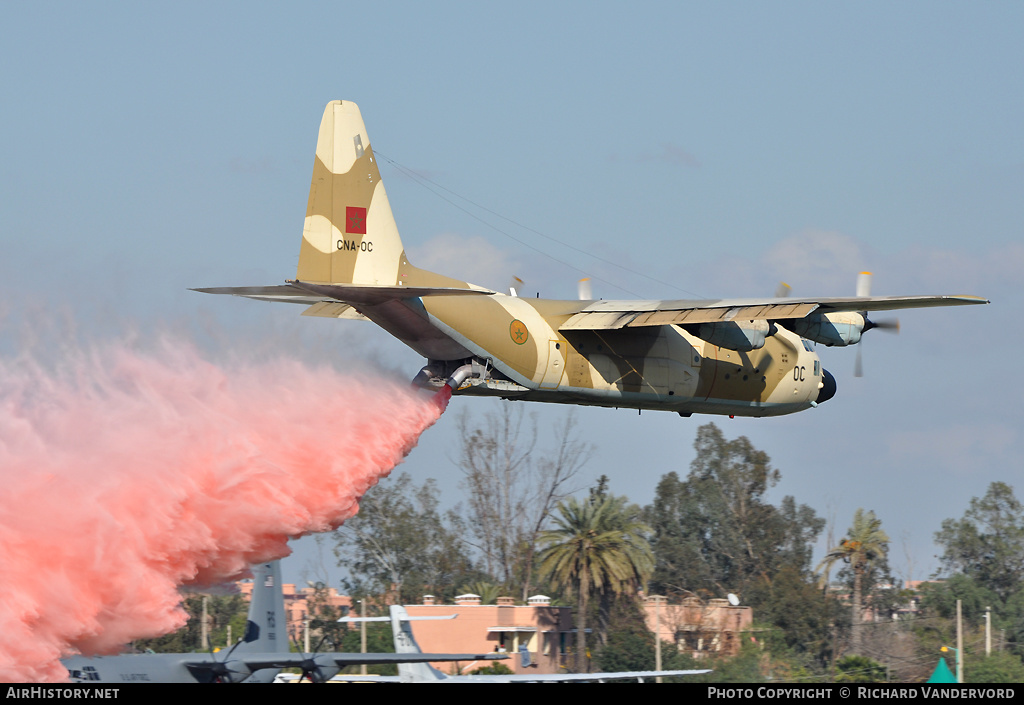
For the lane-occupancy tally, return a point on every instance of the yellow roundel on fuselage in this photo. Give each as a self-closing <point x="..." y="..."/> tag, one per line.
<point x="517" y="331"/>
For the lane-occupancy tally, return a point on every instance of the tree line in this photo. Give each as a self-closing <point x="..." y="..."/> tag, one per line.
<point x="527" y="525"/>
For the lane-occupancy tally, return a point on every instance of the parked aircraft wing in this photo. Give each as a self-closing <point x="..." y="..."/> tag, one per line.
<point x="526" y="677"/>
<point x="577" y="677"/>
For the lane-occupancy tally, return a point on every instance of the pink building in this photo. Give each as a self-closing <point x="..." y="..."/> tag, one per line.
<point x="546" y="631"/>
<point x="698" y="627"/>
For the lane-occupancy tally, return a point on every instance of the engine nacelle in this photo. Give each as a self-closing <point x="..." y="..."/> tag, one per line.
<point x="741" y="336"/>
<point x="840" y="328"/>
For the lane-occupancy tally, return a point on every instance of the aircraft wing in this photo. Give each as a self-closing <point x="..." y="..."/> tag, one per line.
<point x="356" y="659"/>
<point x="343" y="678"/>
<point x="528" y="678"/>
<point x="608" y="315"/>
<point x="574" y="677"/>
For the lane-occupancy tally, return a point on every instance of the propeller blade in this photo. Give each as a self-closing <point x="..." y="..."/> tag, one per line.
<point x="864" y="284"/>
<point x="514" y="286"/>
<point x="312" y="669"/>
<point x="584" y="290"/>
<point x="891" y="325"/>
<point x="783" y="290"/>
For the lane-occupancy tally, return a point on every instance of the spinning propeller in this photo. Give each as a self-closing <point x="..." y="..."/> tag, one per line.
<point x="863" y="289"/>
<point x="892" y="325"/>
<point x="311" y="668"/>
<point x="219" y="671"/>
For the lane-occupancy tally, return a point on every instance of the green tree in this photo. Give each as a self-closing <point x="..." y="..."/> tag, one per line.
<point x="938" y="606"/>
<point x="626" y="651"/>
<point x="865" y="544"/>
<point x="744" y="667"/>
<point x="222" y="611"/>
<point x="400" y="546"/>
<point x="938" y="599"/>
<point x="715" y="533"/>
<point x="324" y="629"/>
<point x="624" y="516"/>
<point x="379" y="640"/>
<point x="983" y="561"/>
<point x="987" y="544"/>
<point x="629" y="644"/>
<point x="595" y="547"/>
<point x="998" y="667"/>
<point x="859" y="669"/>
<point x="799" y="617"/>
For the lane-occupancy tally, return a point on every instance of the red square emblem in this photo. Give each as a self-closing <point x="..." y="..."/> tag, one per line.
<point x="355" y="220"/>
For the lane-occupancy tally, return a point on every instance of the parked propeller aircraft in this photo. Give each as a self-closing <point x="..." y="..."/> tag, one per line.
<point x="257" y="658"/>
<point x="419" y="672"/>
<point x="742" y="357"/>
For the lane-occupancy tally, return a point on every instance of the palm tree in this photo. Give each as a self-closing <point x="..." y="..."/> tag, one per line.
<point x="866" y="543"/>
<point x="598" y="546"/>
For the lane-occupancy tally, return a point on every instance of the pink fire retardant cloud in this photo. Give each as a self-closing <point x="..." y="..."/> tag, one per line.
<point x="127" y="474"/>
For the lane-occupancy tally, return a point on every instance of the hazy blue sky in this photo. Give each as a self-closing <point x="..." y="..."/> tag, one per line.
<point x="718" y="147"/>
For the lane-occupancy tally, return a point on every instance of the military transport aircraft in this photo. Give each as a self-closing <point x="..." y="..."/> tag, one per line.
<point x="256" y="658"/>
<point x="742" y="357"/>
<point x="418" y="672"/>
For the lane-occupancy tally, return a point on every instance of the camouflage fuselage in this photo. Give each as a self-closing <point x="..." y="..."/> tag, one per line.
<point x="658" y="367"/>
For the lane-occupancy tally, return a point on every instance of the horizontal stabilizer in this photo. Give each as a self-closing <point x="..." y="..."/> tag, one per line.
<point x="406" y="618"/>
<point x="371" y="294"/>
<point x="282" y="293"/>
<point x="306" y="293"/>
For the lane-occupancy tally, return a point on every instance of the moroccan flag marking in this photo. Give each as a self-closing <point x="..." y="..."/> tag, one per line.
<point x="355" y="220"/>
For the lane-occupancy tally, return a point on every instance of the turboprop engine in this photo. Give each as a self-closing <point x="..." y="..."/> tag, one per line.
<point x="841" y="328"/>
<point x="741" y="336"/>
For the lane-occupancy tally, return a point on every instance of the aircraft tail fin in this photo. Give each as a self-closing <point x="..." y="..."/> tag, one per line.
<point x="350" y="235"/>
<point x="266" y="630"/>
<point x="405" y="643"/>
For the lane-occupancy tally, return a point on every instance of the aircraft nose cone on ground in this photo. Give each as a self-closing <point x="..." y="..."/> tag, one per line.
<point x="829" y="389"/>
